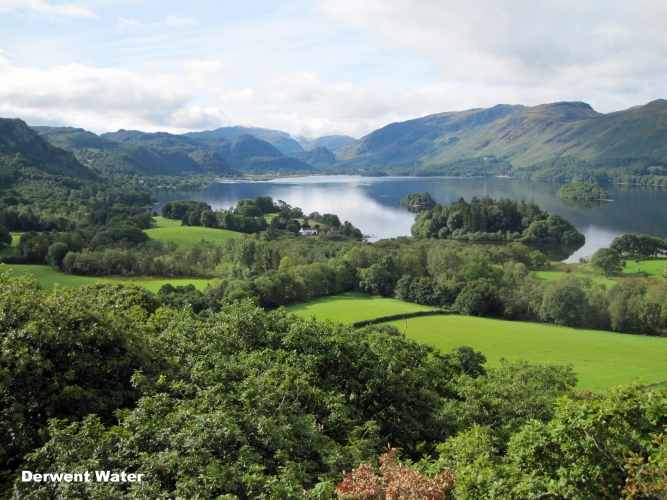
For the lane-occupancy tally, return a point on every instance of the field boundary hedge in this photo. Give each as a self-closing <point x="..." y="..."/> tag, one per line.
<point x="393" y="317"/>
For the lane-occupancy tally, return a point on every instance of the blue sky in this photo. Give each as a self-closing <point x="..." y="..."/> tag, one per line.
<point x="322" y="66"/>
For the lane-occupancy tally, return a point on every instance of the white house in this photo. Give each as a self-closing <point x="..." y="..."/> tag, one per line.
<point x="309" y="232"/>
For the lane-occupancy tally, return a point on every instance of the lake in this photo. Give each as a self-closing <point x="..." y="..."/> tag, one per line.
<point x="371" y="203"/>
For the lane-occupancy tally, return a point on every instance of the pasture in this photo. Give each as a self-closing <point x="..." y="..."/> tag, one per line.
<point x="654" y="268"/>
<point x="353" y="306"/>
<point x="555" y="275"/>
<point x="48" y="277"/>
<point x="600" y="359"/>
<point x="8" y="251"/>
<point x="187" y="236"/>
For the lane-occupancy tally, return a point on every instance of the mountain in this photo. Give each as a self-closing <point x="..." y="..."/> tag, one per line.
<point x="132" y="152"/>
<point x="253" y="155"/>
<point x="19" y="144"/>
<point x="280" y="140"/>
<point x="318" y="157"/>
<point x="331" y="142"/>
<point x="522" y="135"/>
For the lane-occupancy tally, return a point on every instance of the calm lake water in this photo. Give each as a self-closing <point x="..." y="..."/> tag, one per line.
<point x="371" y="203"/>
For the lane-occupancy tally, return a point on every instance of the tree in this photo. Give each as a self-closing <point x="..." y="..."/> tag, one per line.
<point x="607" y="261"/>
<point x="208" y="219"/>
<point x="56" y="253"/>
<point x="5" y="237"/>
<point x="377" y="281"/>
<point x="564" y="303"/>
<point x="479" y="298"/>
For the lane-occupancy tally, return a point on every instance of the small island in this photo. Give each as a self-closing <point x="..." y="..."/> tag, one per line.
<point x="486" y="219"/>
<point x="418" y="202"/>
<point x="582" y="191"/>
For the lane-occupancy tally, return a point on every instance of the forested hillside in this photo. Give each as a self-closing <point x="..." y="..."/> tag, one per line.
<point x="133" y="153"/>
<point x="22" y="148"/>
<point x="534" y="140"/>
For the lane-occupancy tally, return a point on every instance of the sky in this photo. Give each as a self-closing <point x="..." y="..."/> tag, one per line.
<point x="319" y="67"/>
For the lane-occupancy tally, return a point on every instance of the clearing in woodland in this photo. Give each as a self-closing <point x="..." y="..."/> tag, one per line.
<point x="48" y="277"/>
<point x="187" y="236"/>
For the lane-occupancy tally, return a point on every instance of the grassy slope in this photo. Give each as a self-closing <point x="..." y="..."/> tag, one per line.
<point x="351" y="307"/>
<point x="9" y="251"/>
<point x="554" y="275"/>
<point x="601" y="359"/>
<point x="49" y="277"/>
<point x="187" y="236"/>
<point x="654" y="268"/>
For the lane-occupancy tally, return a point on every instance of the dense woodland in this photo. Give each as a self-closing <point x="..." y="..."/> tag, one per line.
<point x="248" y="404"/>
<point x="221" y="394"/>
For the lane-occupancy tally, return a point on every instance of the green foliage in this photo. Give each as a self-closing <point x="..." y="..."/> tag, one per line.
<point x="607" y="261"/>
<point x="564" y="303"/>
<point x="582" y="452"/>
<point x="255" y="405"/>
<point x="66" y="354"/>
<point x="503" y="220"/>
<point x="5" y="237"/>
<point x="642" y="246"/>
<point x="479" y="298"/>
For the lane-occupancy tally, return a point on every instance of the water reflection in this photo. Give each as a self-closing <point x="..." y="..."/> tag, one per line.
<point x="372" y="203"/>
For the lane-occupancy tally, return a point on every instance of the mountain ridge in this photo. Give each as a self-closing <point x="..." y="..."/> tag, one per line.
<point x="523" y="135"/>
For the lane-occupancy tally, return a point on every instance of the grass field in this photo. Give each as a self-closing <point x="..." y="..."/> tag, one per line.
<point x="49" y="277"/>
<point x="601" y="359"/>
<point x="187" y="236"/>
<point x="554" y="275"/>
<point x="351" y="307"/>
<point x="8" y="251"/>
<point x="653" y="267"/>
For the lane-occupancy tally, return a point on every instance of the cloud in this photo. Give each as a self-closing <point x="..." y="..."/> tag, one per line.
<point x="129" y="24"/>
<point x="557" y="47"/>
<point x="100" y="99"/>
<point x="180" y="21"/>
<point x="170" y="21"/>
<point x="42" y="7"/>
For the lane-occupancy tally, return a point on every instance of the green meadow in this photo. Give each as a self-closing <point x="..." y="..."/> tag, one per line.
<point x="9" y="250"/>
<point x="555" y="275"/>
<point x="601" y="359"/>
<point x="48" y="277"/>
<point x="352" y="307"/>
<point x="654" y="268"/>
<point x="187" y="236"/>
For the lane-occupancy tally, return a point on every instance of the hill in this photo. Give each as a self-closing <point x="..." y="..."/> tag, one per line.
<point x="319" y="157"/>
<point x="331" y="142"/>
<point x="250" y="154"/>
<point x="20" y="146"/>
<point x="132" y="152"/>
<point x="521" y="135"/>
<point x="280" y="140"/>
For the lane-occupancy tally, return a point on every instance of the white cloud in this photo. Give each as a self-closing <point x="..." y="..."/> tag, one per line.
<point x="359" y="67"/>
<point x="99" y="99"/>
<point x="170" y="21"/>
<point x="180" y="21"/>
<point x="562" y="48"/>
<point x="129" y="24"/>
<point x="42" y="7"/>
